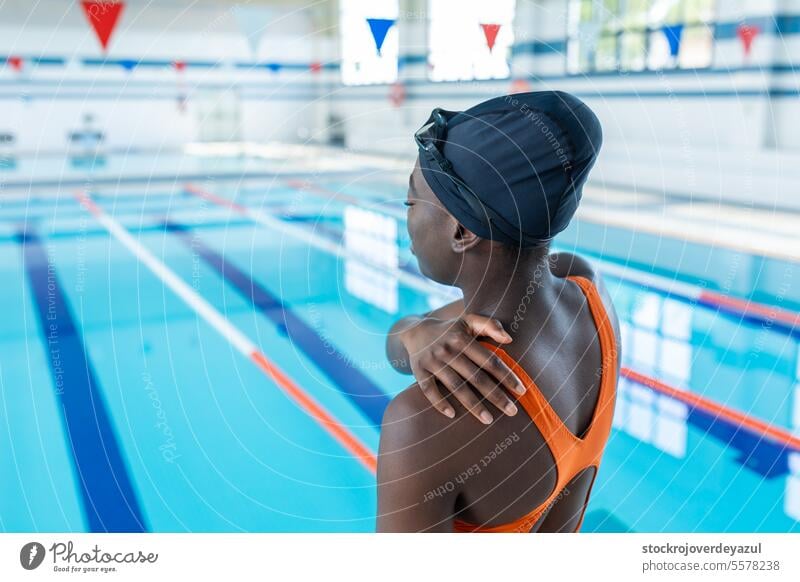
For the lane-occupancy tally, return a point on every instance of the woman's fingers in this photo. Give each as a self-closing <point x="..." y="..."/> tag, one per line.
<point x="480" y="325"/>
<point x="483" y="384"/>
<point x="453" y="381"/>
<point x="491" y="363"/>
<point x="427" y="384"/>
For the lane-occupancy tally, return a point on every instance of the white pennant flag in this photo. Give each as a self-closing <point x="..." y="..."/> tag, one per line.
<point x="252" y="21"/>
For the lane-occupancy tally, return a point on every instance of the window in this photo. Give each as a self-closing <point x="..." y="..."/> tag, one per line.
<point x="632" y="35"/>
<point x="470" y="39"/>
<point x="362" y="62"/>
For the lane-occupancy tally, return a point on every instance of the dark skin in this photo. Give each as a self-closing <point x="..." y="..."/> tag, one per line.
<point x="424" y="453"/>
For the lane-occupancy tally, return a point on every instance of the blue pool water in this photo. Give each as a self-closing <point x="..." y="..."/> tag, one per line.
<point x="121" y="409"/>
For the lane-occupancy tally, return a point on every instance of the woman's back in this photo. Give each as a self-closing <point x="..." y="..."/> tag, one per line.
<point x="504" y="476"/>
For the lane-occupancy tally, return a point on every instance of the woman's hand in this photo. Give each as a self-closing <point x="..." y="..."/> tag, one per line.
<point x="447" y="351"/>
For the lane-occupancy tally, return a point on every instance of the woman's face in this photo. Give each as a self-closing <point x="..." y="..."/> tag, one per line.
<point x="431" y="228"/>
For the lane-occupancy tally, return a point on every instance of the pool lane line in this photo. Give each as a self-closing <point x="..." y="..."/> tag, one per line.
<point x="309" y="237"/>
<point x="350" y="381"/>
<point x="108" y="498"/>
<point x="328" y="194"/>
<point x="775" y="317"/>
<point x="716" y="410"/>
<point x="233" y="335"/>
<point x="730" y="415"/>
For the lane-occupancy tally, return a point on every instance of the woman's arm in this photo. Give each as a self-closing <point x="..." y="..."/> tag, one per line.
<point x="413" y="490"/>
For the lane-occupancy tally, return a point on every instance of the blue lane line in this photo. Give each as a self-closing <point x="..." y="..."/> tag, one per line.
<point x="155" y="227"/>
<point x="109" y="502"/>
<point x="350" y="381"/>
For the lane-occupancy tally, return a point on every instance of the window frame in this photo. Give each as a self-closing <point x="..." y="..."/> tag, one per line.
<point x="648" y="30"/>
<point x="473" y="78"/>
<point x="381" y="83"/>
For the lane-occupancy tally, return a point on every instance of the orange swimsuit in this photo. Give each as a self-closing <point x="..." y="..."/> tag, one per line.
<point x="572" y="454"/>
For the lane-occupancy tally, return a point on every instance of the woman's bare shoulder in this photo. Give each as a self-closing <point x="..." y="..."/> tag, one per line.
<point x="412" y="427"/>
<point x="572" y="265"/>
<point x="411" y="416"/>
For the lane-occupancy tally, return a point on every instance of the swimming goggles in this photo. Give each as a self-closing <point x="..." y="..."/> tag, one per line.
<point x="428" y="138"/>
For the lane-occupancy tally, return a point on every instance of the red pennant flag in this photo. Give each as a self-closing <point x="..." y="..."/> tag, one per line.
<point x="103" y="17"/>
<point x="316" y="67"/>
<point x="490" y="32"/>
<point x="397" y="94"/>
<point x="15" y="63"/>
<point x="180" y="66"/>
<point x="747" y="34"/>
<point x="520" y="86"/>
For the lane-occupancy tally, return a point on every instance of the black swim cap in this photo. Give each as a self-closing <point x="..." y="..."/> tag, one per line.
<point x="512" y="168"/>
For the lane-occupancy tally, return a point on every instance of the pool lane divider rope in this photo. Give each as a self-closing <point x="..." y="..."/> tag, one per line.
<point x="107" y="494"/>
<point x="349" y="441"/>
<point x="775" y="317"/>
<point x="328" y="194"/>
<point x="716" y="410"/>
<point x="351" y="381"/>
<point x="689" y="292"/>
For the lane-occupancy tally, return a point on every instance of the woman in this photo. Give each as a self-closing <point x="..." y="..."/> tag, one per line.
<point x="492" y="185"/>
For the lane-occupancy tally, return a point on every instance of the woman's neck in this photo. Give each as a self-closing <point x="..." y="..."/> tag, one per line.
<point x="505" y="287"/>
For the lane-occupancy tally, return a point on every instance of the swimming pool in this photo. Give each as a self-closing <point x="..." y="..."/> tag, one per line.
<point x="197" y="353"/>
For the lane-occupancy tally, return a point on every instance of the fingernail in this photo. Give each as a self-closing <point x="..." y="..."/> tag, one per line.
<point x="486" y="417"/>
<point x="519" y="389"/>
<point x="511" y="410"/>
<point x="450" y="412"/>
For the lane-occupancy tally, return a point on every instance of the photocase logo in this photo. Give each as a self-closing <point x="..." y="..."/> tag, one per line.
<point x="31" y="555"/>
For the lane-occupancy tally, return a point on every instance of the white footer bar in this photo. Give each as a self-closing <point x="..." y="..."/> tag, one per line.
<point x="357" y="557"/>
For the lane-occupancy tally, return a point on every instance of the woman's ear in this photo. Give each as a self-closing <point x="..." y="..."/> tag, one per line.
<point x="463" y="239"/>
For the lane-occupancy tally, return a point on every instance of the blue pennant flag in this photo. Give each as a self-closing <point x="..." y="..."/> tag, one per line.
<point x="128" y="64"/>
<point x="673" y="34"/>
<point x="274" y="67"/>
<point x="379" y="28"/>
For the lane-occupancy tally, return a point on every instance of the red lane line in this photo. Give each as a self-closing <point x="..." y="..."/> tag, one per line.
<point x="213" y="198"/>
<point x="766" y="312"/>
<point x="345" y="438"/>
<point x="741" y="419"/>
<point x="348" y="440"/>
<point x="88" y="203"/>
